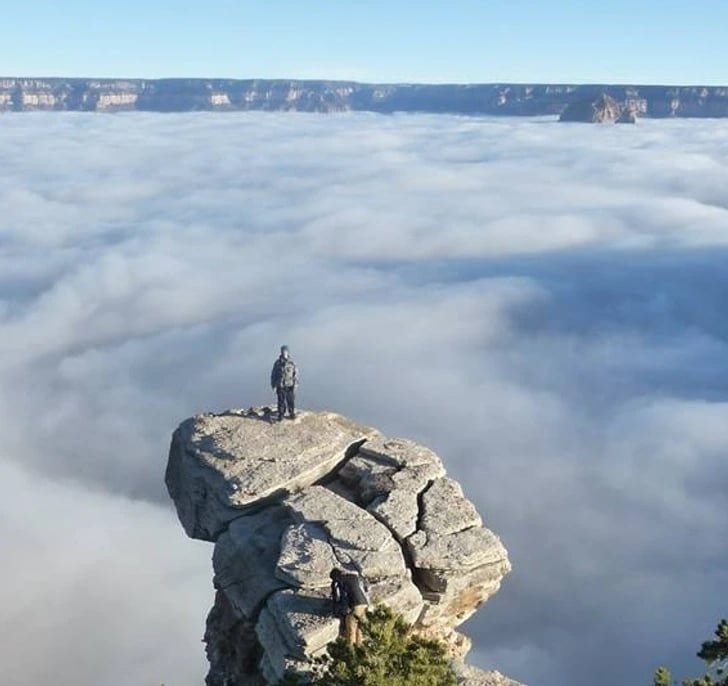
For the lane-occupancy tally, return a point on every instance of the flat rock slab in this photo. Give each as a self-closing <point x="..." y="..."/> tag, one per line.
<point x="245" y="559"/>
<point x="445" y="510"/>
<point x="458" y="552"/>
<point x="307" y="557"/>
<point x="442" y="583"/>
<point x="222" y="464"/>
<point x="303" y="619"/>
<point x="357" y="538"/>
<point x="398" y="511"/>
<point x="402" y="452"/>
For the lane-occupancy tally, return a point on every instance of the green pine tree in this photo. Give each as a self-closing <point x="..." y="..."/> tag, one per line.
<point x="714" y="653"/>
<point x="663" y="677"/>
<point x="390" y="655"/>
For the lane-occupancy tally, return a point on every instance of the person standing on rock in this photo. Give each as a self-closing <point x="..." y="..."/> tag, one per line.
<point x="284" y="380"/>
<point x="350" y="601"/>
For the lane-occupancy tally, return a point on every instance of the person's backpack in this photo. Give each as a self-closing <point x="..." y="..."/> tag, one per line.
<point x="288" y="373"/>
<point x="355" y="591"/>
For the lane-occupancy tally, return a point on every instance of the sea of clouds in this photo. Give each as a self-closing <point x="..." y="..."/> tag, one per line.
<point x="543" y="304"/>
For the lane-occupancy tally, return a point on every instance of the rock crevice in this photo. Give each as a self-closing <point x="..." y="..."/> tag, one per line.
<point x="284" y="502"/>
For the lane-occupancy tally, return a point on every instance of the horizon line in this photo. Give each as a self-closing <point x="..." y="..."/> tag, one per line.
<point x="368" y="83"/>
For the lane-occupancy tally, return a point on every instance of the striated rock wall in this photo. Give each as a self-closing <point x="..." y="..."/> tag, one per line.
<point x="181" y="95"/>
<point x="285" y="502"/>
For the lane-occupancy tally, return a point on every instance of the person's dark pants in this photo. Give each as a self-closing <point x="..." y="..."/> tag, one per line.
<point x="286" y="401"/>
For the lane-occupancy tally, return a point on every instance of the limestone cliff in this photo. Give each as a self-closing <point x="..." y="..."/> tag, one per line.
<point x="286" y="502"/>
<point x="182" y="95"/>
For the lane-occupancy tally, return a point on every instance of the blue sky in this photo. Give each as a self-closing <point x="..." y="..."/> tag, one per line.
<point x="463" y="41"/>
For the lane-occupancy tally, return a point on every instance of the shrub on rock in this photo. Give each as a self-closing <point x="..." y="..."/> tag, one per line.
<point x="390" y="655"/>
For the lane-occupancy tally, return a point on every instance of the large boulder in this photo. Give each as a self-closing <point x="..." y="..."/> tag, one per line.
<point x="287" y="502"/>
<point x="223" y="464"/>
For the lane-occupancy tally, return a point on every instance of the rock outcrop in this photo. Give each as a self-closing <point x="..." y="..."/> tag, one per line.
<point x="186" y="95"/>
<point x="285" y="502"/>
<point x="472" y="676"/>
<point x="603" y="109"/>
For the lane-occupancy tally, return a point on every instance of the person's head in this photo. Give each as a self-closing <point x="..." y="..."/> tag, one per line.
<point x="284" y="351"/>
<point x="335" y="574"/>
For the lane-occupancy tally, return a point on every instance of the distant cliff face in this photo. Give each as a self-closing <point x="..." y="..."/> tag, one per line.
<point x="182" y="95"/>
<point x="286" y="502"/>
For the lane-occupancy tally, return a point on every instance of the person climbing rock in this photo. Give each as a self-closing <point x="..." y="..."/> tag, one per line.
<point x="284" y="380"/>
<point x="349" y="601"/>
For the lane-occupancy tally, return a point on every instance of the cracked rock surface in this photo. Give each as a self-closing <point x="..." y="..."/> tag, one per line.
<point x="284" y="502"/>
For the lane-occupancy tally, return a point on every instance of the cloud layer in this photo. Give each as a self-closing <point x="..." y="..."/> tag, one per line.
<point x="541" y="303"/>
